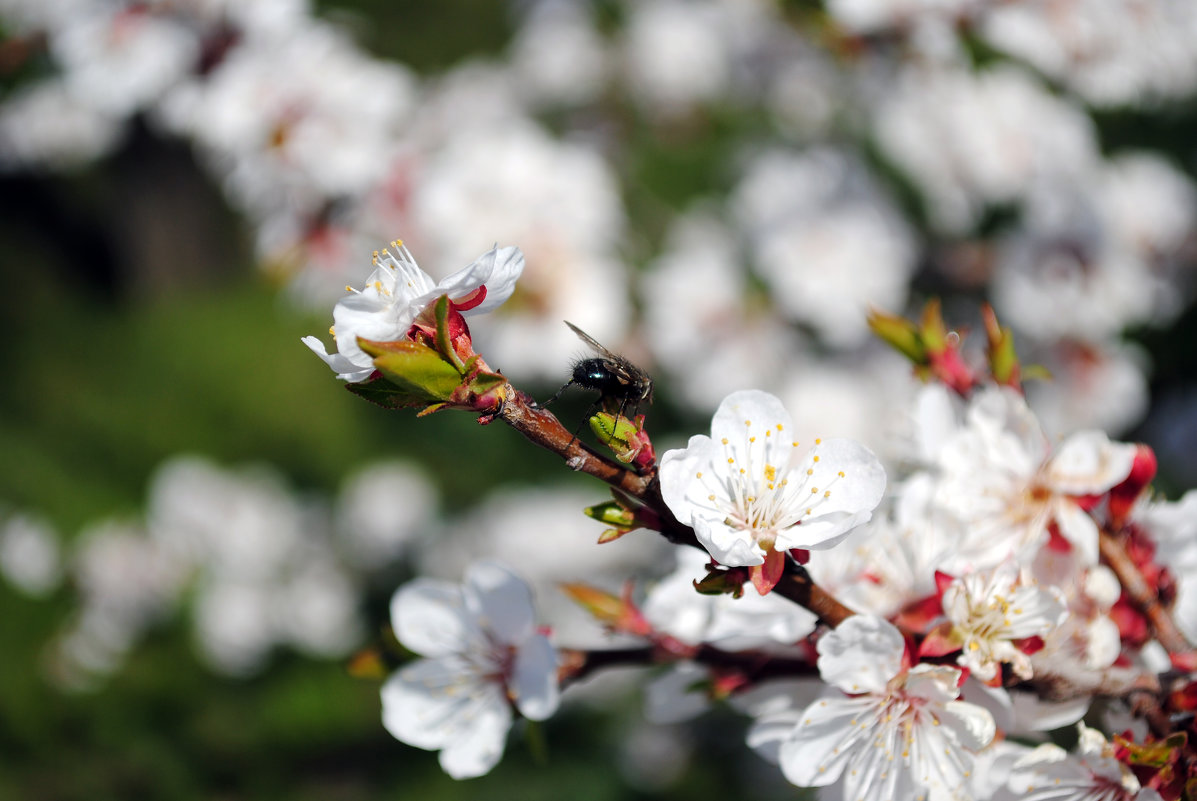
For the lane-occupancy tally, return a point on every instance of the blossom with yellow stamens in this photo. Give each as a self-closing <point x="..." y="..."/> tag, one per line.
<point x="751" y="494"/>
<point x="384" y="309"/>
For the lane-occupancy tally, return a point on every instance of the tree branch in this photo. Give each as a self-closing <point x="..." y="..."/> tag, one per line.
<point x="577" y="664"/>
<point x="541" y="427"/>
<point x="1141" y="593"/>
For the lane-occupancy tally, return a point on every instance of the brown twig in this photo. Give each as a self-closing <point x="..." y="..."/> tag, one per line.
<point x="1141" y="593"/>
<point x="577" y="664"/>
<point x="799" y="587"/>
<point x="541" y="427"/>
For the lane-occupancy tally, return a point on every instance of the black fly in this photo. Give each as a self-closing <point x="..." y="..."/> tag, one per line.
<point x="620" y="383"/>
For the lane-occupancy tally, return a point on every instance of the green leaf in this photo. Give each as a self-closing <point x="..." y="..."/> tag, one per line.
<point x="414" y="368"/>
<point x="900" y="334"/>
<point x="382" y="392"/>
<point x="443" y="343"/>
<point x="611" y="513"/>
<point x="486" y="382"/>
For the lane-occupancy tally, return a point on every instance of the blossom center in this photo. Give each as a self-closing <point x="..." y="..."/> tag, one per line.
<point x="755" y="489"/>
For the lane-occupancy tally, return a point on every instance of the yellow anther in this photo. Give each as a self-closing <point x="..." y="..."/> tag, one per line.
<point x="752" y="439"/>
<point x="818" y="441"/>
<point x="698" y="474"/>
<point x="770" y="472"/>
<point x="731" y="460"/>
<point x="747" y="422"/>
<point x="814" y="490"/>
<point x="724" y="440"/>
<point x="710" y="497"/>
<point x="827" y="494"/>
<point x="816" y="458"/>
<point x="332" y="329"/>
<point x="840" y="474"/>
<point x="810" y="472"/>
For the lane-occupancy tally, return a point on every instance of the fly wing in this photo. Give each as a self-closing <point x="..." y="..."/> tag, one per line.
<point x="592" y="342"/>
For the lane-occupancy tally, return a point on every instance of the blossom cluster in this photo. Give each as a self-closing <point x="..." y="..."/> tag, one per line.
<point x="984" y="589"/>
<point x="903" y="588"/>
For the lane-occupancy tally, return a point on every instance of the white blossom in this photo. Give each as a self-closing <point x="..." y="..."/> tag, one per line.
<point x="482" y="655"/>
<point x="381" y="508"/>
<point x="991" y="610"/>
<point x="884" y="729"/>
<point x="398" y="290"/>
<point x="1000" y="477"/>
<point x="1111" y="52"/>
<point x="710" y="333"/>
<point x="825" y="238"/>
<point x="29" y="554"/>
<point x="749" y="492"/>
<point x="119" y="57"/>
<point x="45" y="124"/>
<point x="1049" y="773"/>
<point x="890" y="562"/>
<point x="973" y="139"/>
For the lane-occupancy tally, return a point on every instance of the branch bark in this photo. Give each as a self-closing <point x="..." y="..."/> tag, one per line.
<point x="1141" y="593"/>
<point x="541" y="427"/>
<point x="577" y="664"/>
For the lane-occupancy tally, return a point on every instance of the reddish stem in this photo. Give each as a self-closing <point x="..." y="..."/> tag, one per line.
<point x="1141" y="593"/>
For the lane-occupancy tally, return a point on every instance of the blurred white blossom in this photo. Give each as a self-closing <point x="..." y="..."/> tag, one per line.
<point x="30" y="555"/>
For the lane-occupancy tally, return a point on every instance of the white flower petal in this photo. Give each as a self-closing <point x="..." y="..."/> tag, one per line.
<point x="1078" y="528"/>
<point x="498" y="270"/>
<point x="760" y="408"/>
<point x="936" y="684"/>
<point x="861" y="654"/>
<point x="824" y="741"/>
<point x="677" y="473"/>
<point x="423" y="702"/>
<point x="345" y="369"/>
<point x="429" y="617"/>
<point x="500" y="601"/>
<point x="479" y="745"/>
<point x="846" y="483"/>
<point x="1089" y="463"/>
<point x="672" y="697"/>
<point x="728" y="545"/>
<point x="973" y="726"/>
<point x="1032" y="713"/>
<point x="534" y="679"/>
